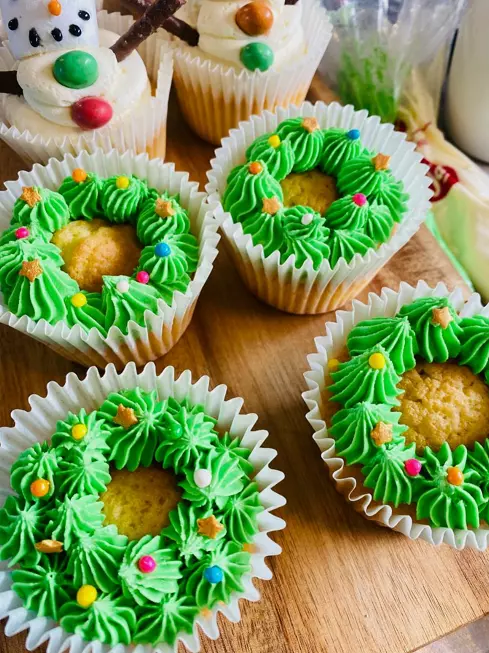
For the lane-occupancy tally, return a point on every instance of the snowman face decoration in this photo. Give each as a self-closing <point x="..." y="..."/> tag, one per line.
<point x="38" y="26"/>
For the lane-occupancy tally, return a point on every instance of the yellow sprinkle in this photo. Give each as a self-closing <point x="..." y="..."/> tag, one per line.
<point x="122" y="182"/>
<point x="86" y="595"/>
<point x="78" y="300"/>
<point x="376" y="361"/>
<point x="333" y="364"/>
<point x="79" y="431"/>
<point x="274" y="140"/>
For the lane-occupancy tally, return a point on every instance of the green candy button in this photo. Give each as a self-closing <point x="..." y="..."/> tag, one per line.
<point x="257" y="56"/>
<point x="76" y="69"/>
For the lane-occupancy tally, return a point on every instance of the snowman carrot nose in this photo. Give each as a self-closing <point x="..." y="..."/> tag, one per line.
<point x="54" y="7"/>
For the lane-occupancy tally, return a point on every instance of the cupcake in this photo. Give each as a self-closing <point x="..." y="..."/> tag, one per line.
<point x="134" y="517"/>
<point x="86" y="87"/>
<point x="314" y="200"/>
<point x="236" y="59"/>
<point x="399" y="401"/>
<point x="103" y="256"/>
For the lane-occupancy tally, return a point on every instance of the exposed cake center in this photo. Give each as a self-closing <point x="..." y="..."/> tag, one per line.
<point x="443" y="402"/>
<point x="139" y="502"/>
<point x="94" y="248"/>
<point x="313" y="189"/>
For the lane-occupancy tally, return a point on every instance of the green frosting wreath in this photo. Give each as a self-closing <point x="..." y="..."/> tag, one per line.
<point x="69" y="566"/>
<point x="363" y="217"/>
<point x="449" y="487"/>
<point x="31" y="278"/>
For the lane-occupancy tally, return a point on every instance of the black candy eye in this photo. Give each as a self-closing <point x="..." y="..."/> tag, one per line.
<point x="34" y="38"/>
<point x="84" y="15"/>
<point x="13" y="24"/>
<point x="75" y="30"/>
<point x="57" y="34"/>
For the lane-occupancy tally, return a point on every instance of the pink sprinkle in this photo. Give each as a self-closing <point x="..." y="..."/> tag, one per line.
<point x="22" y="232"/>
<point x="142" y="276"/>
<point x="147" y="564"/>
<point x="359" y="199"/>
<point x="412" y="467"/>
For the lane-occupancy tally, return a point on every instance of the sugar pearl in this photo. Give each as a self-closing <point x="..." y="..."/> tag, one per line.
<point x="202" y="478"/>
<point x="123" y="285"/>
<point x="307" y="219"/>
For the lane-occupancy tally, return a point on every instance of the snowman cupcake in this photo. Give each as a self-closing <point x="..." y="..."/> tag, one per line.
<point x="69" y="86"/>
<point x="241" y="57"/>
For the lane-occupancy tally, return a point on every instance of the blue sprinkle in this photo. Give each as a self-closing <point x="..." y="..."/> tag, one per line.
<point x="162" y="249"/>
<point x="353" y="134"/>
<point x="214" y="574"/>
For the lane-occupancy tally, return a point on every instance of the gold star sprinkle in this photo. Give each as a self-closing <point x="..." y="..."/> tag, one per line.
<point x="310" y="124"/>
<point x="249" y="547"/>
<point x="382" y="433"/>
<point x="30" y="196"/>
<point x="271" y="205"/>
<point x="442" y="316"/>
<point x="49" y="546"/>
<point x="31" y="269"/>
<point x="381" y="161"/>
<point x="126" y="417"/>
<point x="209" y="527"/>
<point x="163" y="208"/>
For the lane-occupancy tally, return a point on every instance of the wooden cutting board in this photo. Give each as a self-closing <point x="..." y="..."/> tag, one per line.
<point x="342" y="584"/>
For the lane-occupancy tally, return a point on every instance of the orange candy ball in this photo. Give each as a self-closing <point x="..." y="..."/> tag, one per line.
<point x="54" y="8"/>
<point x="79" y="175"/>
<point x="255" y="18"/>
<point x="255" y="168"/>
<point x="40" y="487"/>
<point x="455" y="476"/>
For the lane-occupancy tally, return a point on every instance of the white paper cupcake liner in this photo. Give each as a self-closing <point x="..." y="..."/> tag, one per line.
<point x="388" y="303"/>
<point x="144" y="130"/>
<point x="161" y="330"/>
<point x="39" y="423"/>
<point x="215" y="97"/>
<point x="305" y="290"/>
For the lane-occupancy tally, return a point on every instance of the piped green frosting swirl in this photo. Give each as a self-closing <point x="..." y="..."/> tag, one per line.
<point x="266" y="229"/>
<point x="73" y="516"/>
<point x="50" y="213"/>
<point x="338" y="148"/>
<point x="43" y="588"/>
<point x="122" y="204"/>
<point x="240" y="514"/>
<point x="278" y="159"/>
<point x="21" y="526"/>
<point x="245" y="191"/>
<point x="379" y="223"/>
<point x="152" y="228"/>
<point x="345" y="244"/>
<point x="385" y="473"/>
<point x="227" y="480"/>
<point x="305" y="235"/>
<point x="39" y="461"/>
<point x="183" y="531"/>
<point x="123" y="307"/>
<point x="83" y="198"/>
<point x="306" y="145"/>
<point x="346" y="214"/>
<point x="163" y="622"/>
<point x="474" y="340"/>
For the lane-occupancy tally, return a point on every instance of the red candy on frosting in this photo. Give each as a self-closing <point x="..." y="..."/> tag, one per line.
<point x="91" y="112"/>
<point x="412" y="467"/>
<point x="359" y="199"/>
<point x="147" y="564"/>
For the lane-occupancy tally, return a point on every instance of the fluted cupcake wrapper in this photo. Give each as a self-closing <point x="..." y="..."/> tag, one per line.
<point x="39" y="423"/>
<point x="347" y="478"/>
<point x="144" y="130"/>
<point x="215" y="97"/>
<point x="305" y="290"/>
<point x="161" y="330"/>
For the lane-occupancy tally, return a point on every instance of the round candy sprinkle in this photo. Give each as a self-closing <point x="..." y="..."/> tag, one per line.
<point x="257" y="56"/>
<point x="79" y="175"/>
<point x="333" y="364"/>
<point x="79" y="431"/>
<point x="412" y="467"/>
<point x="214" y="574"/>
<point x="162" y="249"/>
<point x="255" y="168"/>
<point x="122" y="182"/>
<point x="22" y="232"/>
<point x="91" y="113"/>
<point x="79" y="300"/>
<point x="146" y="564"/>
<point x="376" y="361"/>
<point x="86" y="595"/>
<point x="40" y="487"/>
<point x="142" y="276"/>
<point x="202" y="478"/>
<point x="353" y="134"/>
<point x="123" y="285"/>
<point x="254" y="18"/>
<point x="455" y="476"/>
<point x="359" y="199"/>
<point x="307" y="219"/>
<point x="274" y="140"/>
<point x="54" y="8"/>
<point x="76" y="69"/>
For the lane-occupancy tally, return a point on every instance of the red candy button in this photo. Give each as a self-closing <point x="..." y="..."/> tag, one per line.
<point x="91" y="112"/>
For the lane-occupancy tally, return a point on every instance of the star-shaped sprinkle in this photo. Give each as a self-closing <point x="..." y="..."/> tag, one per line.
<point x="49" y="546"/>
<point x="126" y="417"/>
<point x="30" y="196"/>
<point x="381" y="161"/>
<point x="31" y="269"/>
<point x="249" y="547"/>
<point x="442" y="316"/>
<point x="163" y="208"/>
<point x="209" y="527"/>
<point x="310" y="124"/>
<point x="271" y="205"/>
<point x="381" y="434"/>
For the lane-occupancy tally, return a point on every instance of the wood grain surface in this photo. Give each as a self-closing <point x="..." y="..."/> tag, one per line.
<point x="342" y="584"/>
